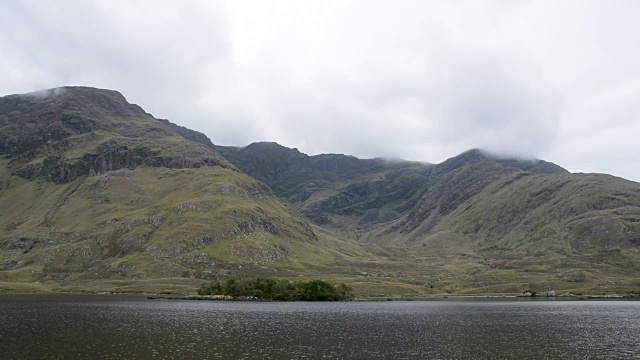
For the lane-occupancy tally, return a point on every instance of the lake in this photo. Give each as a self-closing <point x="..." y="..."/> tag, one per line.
<point x="130" y="327"/>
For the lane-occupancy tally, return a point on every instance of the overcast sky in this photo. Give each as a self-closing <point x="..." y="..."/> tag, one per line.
<point x="419" y="80"/>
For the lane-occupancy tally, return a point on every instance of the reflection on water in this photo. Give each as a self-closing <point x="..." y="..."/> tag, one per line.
<point x="120" y="327"/>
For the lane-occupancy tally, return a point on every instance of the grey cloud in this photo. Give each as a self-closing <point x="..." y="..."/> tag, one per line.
<point x="415" y="80"/>
<point x="471" y="100"/>
<point x="493" y="102"/>
<point x="154" y="53"/>
<point x="46" y="93"/>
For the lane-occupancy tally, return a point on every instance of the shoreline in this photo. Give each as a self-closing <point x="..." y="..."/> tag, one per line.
<point x="407" y="298"/>
<point x="165" y="296"/>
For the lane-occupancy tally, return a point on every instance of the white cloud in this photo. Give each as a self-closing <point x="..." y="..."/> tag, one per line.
<point x="422" y="80"/>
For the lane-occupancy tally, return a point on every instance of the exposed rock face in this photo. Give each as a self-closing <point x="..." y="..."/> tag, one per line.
<point x="321" y="186"/>
<point x="25" y="244"/>
<point x="376" y="191"/>
<point x="188" y="134"/>
<point x="456" y="180"/>
<point x="60" y="170"/>
<point x="67" y="133"/>
<point x="112" y="193"/>
<point x="532" y="166"/>
<point x="31" y="120"/>
<point x="513" y="213"/>
<point x="283" y="168"/>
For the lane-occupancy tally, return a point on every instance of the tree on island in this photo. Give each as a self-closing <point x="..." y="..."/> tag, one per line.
<point x="278" y="289"/>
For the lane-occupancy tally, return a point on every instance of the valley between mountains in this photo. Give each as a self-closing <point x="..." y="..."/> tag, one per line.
<point x="98" y="195"/>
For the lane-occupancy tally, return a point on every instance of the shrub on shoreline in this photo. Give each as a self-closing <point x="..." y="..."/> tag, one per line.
<point x="278" y="289"/>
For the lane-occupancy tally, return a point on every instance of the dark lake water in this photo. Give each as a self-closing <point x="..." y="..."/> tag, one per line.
<point x="121" y="327"/>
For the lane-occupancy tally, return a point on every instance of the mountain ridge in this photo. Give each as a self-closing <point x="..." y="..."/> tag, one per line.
<point x="97" y="194"/>
<point x="519" y="216"/>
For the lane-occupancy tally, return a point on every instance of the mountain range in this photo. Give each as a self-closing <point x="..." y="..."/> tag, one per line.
<point x="98" y="195"/>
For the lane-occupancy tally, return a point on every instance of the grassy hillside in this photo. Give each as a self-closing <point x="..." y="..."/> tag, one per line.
<point x="127" y="229"/>
<point x="97" y="195"/>
<point x="335" y="191"/>
<point x="480" y="222"/>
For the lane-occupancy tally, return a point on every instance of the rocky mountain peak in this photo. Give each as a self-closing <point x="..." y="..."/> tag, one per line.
<point x="93" y="100"/>
<point x="529" y="165"/>
<point x="269" y="148"/>
<point x="64" y="133"/>
<point x="30" y="120"/>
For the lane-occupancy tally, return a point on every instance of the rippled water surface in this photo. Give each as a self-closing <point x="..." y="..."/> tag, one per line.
<point x="121" y="327"/>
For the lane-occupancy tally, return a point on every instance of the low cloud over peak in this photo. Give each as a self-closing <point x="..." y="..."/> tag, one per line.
<point x="414" y="80"/>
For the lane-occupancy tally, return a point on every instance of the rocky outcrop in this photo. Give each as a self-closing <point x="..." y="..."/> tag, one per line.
<point x="72" y="132"/>
<point x="458" y="179"/>
<point x="25" y="244"/>
<point x="60" y="170"/>
<point x="188" y="134"/>
<point x="31" y="120"/>
<point x="372" y="190"/>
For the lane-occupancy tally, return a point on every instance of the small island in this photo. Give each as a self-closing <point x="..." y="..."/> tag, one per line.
<point x="261" y="288"/>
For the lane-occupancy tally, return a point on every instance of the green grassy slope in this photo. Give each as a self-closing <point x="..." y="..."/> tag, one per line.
<point x="128" y="228"/>
<point x="334" y="191"/>
<point x="483" y="223"/>
<point x="96" y="195"/>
